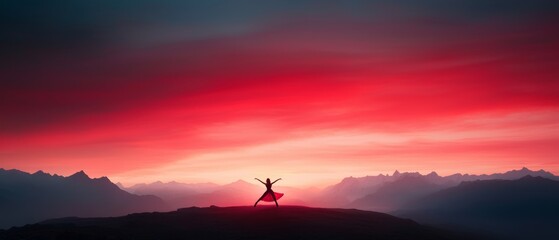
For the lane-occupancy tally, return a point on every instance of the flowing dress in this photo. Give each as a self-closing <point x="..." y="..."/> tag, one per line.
<point x="268" y="197"/>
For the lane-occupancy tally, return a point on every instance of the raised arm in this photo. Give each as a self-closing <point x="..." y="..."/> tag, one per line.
<point x="276" y="180"/>
<point x="260" y="181"/>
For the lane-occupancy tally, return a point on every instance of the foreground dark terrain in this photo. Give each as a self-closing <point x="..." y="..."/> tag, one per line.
<point x="286" y="222"/>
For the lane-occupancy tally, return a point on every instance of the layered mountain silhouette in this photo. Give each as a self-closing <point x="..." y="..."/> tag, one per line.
<point x="378" y="193"/>
<point x="393" y="195"/>
<point x="175" y="194"/>
<point x="360" y="192"/>
<point x="526" y="208"/>
<point x="432" y="199"/>
<point x="238" y="193"/>
<point x="28" y="198"/>
<point x="287" y="222"/>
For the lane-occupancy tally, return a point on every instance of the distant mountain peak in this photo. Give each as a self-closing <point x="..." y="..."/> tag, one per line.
<point x="522" y="170"/>
<point x="516" y="174"/>
<point x="349" y="179"/>
<point x="525" y="170"/>
<point x="41" y="173"/>
<point x="240" y="181"/>
<point x="104" y="179"/>
<point x="396" y="173"/>
<point x="433" y="173"/>
<point x="79" y="176"/>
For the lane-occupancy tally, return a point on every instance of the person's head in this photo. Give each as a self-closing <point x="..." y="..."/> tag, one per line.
<point x="267" y="180"/>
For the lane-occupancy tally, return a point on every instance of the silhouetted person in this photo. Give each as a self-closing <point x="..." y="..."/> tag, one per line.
<point x="269" y="191"/>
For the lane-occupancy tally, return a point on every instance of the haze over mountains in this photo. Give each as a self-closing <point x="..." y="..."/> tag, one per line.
<point x="29" y="198"/>
<point x="238" y="193"/>
<point x="378" y="193"/>
<point x="354" y="192"/>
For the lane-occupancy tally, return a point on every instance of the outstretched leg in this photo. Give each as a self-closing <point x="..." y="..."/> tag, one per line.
<point x="263" y="195"/>
<point x="274" y="197"/>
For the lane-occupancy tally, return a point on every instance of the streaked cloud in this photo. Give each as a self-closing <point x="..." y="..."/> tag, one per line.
<point x="218" y="90"/>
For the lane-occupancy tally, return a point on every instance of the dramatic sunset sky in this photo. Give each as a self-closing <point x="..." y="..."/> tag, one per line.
<point x="310" y="91"/>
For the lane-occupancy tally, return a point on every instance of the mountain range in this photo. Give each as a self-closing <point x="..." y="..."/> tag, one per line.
<point x="525" y="208"/>
<point x="378" y="193"/>
<point x="28" y="198"/>
<point x="392" y="195"/>
<point x="387" y="192"/>
<point x="238" y="193"/>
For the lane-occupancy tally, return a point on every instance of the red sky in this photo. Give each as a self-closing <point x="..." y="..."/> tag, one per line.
<point x="309" y="96"/>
